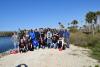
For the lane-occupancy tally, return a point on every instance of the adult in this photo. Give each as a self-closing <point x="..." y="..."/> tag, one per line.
<point x="22" y="45"/>
<point x="61" y="39"/>
<point x="32" y="37"/>
<point x="37" y="34"/>
<point x="49" y="39"/>
<point x="15" y="40"/>
<point x="55" y="39"/>
<point x="42" y="39"/>
<point x="61" y="32"/>
<point x="32" y="34"/>
<point x="25" y="38"/>
<point x="67" y="37"/>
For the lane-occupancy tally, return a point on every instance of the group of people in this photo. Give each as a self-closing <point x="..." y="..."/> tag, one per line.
<point x="28" y="40"/>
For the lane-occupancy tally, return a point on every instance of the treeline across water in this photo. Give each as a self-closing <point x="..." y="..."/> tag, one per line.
<point x="6" y="33"/>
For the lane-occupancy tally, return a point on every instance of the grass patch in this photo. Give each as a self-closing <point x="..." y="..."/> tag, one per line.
<point x="96" y="52"/>
<point x="87" y="41"/>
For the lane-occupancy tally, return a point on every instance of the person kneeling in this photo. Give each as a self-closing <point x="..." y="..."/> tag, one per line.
<point x="22" y="46"/>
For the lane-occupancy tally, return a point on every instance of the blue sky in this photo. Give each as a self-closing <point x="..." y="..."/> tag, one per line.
<point x="28" y="14"/>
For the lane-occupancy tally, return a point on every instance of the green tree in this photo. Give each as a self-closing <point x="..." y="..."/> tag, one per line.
<point x="74" y="23"/>
<point x="91" y="19"/>
<point x="61" y="25"/>
<point x="74" y="26"/>
<point x="98" y="13"/>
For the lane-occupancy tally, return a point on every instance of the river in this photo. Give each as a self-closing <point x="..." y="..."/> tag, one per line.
<point x="5" y="44"/>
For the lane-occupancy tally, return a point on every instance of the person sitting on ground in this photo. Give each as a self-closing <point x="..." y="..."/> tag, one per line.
<point x="22" y="46"/>
<point x="36" y="44"/>
<point x="30" y="46"/>
<point x="55" y="39"/>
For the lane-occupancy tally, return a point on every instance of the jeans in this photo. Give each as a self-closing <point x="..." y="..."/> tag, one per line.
<point x="49" y="42"/>
<point x="67" y="42"/>
<point x="55" y="45"/>
<point x="15" y="45"/>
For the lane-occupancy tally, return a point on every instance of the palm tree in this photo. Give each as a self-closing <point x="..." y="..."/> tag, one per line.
<point x="91" y="19"/>
<point x="61" y="25"/>
<point x="74" y="23"/>
<point x="90" y="16"/>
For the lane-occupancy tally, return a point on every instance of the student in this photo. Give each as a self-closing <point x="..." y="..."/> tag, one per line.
<point x="15" y="40"/>
<point x="32" y="34"/>
<point x="42" y="40"/>
<point x="37" y="34"/>
<point x="25" y="39"/>
<point x="32" y="37"/>
<point x="22" y="46"/>
<point x="67" y="37"/>
<point x="61" y="32"/>
<point x="60" y="45"/>
<point x="55" y="40"/>
<point x="36" y="44"/>
<point x="49" y="39"/>
<point x="30" y="46"/>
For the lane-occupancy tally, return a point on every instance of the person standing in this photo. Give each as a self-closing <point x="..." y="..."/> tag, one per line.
<point x="15" y="40"/>
<point x="32" y="34"/>
<point x="42" y="39"/>
<point x="61" y="32"/>
<point x="32" y="37"/>
<point x="37" y="34"/>
<point x="49" y="39"/>
<point x="67" y="37"/>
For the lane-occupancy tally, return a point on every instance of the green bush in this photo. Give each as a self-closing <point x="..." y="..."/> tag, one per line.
<point x="87" y="40"/>
<point x="96" y="65"/>
<point x="96" y="51"/>
<point x="93" y="40"/>
<point x="79" y="39"/>
<point x="82" y="39"/>
<point x="73" y="29"/>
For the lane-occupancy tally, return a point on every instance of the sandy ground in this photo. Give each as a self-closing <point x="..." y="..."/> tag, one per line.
<point x="72" y="57"/>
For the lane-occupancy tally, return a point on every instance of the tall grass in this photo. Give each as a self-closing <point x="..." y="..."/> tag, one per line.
<point x="88" y="41"/>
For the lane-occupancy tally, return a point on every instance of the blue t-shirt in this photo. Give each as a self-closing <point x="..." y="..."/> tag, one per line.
<point x="35" y="43"/>
<point x="32" y="35"/>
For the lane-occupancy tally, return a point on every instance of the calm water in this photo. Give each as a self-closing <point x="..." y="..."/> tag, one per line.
<point x="5" y="44"/>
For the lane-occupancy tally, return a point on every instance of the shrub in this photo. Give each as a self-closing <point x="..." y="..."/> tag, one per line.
<point x="96" y="65"/>
<point x="96" y="51"/>
<point x="79" y="39"/>
<point x="87" y="40"/>
<point x="82" y="39"/>
<point x="73" y="29"/>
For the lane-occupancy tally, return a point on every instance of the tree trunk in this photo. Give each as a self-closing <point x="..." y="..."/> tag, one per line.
<point x="93" y="29"/>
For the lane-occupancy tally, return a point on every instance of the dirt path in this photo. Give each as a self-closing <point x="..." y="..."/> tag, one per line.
<point x="73" y="57"/>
